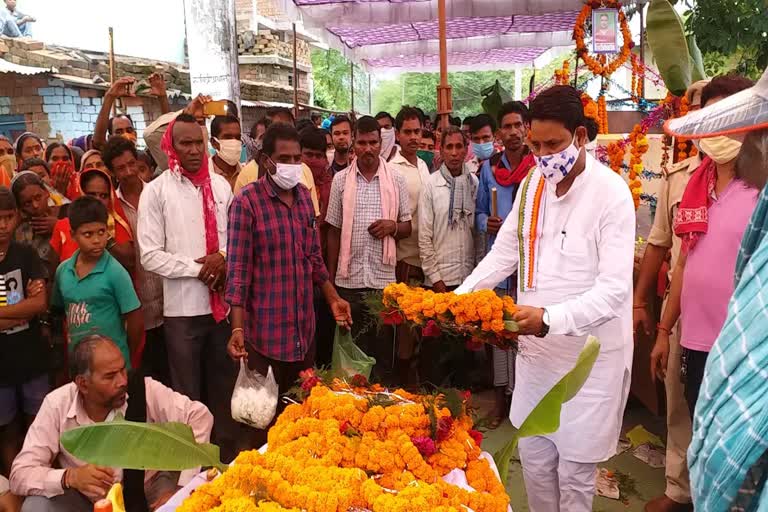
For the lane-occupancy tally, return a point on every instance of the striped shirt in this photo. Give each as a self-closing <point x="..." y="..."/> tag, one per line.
<point x="366" y="269"/>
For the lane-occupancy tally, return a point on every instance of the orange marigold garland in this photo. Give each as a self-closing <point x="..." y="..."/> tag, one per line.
<point x="638" y="74"/>
<point x="360" y="447"/>
<point x="639" y="145"/>
<point x="600" y="65"/>
<point x="562" y="76"/>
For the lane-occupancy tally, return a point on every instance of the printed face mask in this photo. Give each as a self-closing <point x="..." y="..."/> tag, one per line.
<point x="483" y="151"/>
<point x="556" y="167"/>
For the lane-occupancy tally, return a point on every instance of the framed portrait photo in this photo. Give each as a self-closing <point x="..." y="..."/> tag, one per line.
<point x="605" y="31"/>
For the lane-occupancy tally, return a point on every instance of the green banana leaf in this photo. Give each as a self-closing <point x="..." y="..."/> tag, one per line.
<point x="495" y="97"/>
<point x="666" y="38"/>
<point x="697" y="60"/>
<point x="545" y="417"/>
<point x="132" y="445"/>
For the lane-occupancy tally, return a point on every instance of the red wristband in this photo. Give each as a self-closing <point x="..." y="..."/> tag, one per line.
<point x="661" y="328"/>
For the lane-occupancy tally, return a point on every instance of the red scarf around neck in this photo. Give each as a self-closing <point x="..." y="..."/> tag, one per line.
<point x="692" y="217"/>
<point x="506" y="178"/>
<point x="202" y="180"/>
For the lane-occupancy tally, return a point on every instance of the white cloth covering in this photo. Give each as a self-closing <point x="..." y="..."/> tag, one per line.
<point x="585" y="282"/>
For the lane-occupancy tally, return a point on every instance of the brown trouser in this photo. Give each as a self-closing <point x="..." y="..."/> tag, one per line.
<point x="678" y="425"/>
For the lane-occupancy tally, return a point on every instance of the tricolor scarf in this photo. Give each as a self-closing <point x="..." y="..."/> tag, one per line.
<point x="507" y="178"/>
<point x="202" y="180"/>
<point x="390" y="204"/>
<point x="530" y="224"/>
<point x="692" y="217"/>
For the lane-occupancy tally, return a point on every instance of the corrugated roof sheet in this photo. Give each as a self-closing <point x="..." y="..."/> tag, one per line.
<point x="10" y="67"/>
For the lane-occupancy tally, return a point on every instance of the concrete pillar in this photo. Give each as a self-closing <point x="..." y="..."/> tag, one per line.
<point x="212" y="45"/>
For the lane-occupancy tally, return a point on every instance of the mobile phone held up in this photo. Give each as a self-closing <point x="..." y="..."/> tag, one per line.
<point x="215" y="108"/>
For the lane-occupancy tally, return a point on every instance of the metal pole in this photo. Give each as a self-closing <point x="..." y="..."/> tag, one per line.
<point x="642" y="48"/>
<point x="352" y="85"/>
<point x="295" y="78"/>
<point x="112" y="66"/>
<point x="444" y="101"/>
<point x="370" y="103"/>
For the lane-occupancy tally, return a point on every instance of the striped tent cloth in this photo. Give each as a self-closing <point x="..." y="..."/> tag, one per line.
<point x="730" y="433"/>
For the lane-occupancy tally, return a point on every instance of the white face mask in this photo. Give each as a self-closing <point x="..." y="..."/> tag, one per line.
<point x="287" y="176"/>
<point x="387" y="141"/>
<point x="557" y="166"/>
<point x="229" y="150"/>
<point x="330" y="155"/>
<point x="721" y="149"/>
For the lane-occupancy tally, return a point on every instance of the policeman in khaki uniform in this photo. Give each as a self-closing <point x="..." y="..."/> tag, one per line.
<point x="677" y="496"/>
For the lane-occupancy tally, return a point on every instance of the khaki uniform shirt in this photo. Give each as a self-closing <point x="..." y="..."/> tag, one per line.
<point x="662" y="233"/>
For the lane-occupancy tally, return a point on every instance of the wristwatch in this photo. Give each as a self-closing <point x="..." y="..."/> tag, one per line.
<point x="544" y="325"/>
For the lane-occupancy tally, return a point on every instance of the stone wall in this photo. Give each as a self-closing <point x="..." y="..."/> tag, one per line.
<point x="273" y="75"/>
<point x="269" y="92"/>
<point x="265" y="42"/>
<point x="243" y="13"/>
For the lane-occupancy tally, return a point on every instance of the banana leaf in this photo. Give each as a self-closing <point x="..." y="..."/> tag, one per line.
<point x="495" y="97"/>
<point x="545" y="417"/>
<point x="697" y="60"/>
<point x="132" y="445"/>
<point x="666" y="38"/>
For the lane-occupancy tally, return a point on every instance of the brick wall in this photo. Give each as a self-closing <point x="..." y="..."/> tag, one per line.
<point x="268" y="92"/>
<point x="269" y="9"/>
<point x="273" y="75"/>
<point x="265" y="42"/>
<point x="243" y="13"/>
<point x="55" y="110"/>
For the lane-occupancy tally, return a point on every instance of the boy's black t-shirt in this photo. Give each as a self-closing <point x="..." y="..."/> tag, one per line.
<point x="24" y="354"/>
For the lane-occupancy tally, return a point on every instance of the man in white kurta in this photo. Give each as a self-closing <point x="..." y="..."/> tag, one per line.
<point x="583" y="286"/>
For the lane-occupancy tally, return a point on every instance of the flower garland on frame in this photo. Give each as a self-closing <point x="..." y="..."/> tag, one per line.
<point x="600" y="66"/>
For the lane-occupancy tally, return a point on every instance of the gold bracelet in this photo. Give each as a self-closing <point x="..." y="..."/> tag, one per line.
<point x="235" y="329"/>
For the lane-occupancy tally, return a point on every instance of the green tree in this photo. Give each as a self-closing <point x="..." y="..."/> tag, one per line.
<point x="733" y="34"/>
<point x="330" y="72"/>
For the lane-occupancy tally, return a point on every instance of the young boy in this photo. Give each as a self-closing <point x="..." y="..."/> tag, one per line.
<point x="24" y="353"/>
<point x="93" y="288"/>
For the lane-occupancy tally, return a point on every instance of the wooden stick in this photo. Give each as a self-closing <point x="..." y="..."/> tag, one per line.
<point x="112" y="71"/>
<point x="494" y="203"/>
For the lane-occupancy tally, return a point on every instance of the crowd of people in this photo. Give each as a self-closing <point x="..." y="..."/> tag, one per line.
<point x="215" y="245"/>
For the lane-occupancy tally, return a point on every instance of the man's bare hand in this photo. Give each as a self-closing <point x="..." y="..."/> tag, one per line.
<point x="214" y="269"/>
<point x="494" y="225"/>
<point x="157" y="85"/>
<point x="660" y="356"/>
<point x="92" y="481"/>
<point x="530" y="320"/>
<point x="439" y="287"/>
<point x="382" y="228"/>
<point x="122" y="87"/>
<point x="195" y="107"/>
<point x="236" y="345"/>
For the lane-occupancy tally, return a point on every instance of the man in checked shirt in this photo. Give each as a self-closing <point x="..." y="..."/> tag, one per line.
<point x="274" y="258"/>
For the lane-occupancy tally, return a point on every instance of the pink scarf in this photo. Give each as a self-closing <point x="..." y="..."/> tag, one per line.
<point x="202" y="180"/>
<point x="389" y="209"/>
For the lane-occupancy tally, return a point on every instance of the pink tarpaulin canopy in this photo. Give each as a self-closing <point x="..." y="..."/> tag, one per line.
<point x="404" y="33"/>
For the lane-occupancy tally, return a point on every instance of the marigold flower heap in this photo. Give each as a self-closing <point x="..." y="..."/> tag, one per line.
<point x="360" y="448"/>
<point x="480" y="315"/>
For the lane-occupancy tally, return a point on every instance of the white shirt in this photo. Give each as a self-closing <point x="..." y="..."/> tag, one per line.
<point x="415" y="178"/>
<point x="447" y="253"/>
<point x="171" y="236"/>
<point x="584" y="280"/>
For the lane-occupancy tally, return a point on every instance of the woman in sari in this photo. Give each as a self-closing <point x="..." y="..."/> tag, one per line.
<point x="28" y="145"/>
<point x="61" y="161"/>
<point x="97" y="183"/>
<point x="43" y="171"/>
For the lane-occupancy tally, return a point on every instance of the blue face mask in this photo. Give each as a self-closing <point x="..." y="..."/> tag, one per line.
<point x="483" y="151"/>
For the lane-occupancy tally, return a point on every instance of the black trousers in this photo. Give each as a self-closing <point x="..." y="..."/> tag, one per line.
<point x="693" y="365"/>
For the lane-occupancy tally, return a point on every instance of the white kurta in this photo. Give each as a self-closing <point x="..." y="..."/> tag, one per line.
<point x="584" y="280"/>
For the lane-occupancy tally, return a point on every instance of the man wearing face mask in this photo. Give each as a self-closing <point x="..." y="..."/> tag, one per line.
<point x="274" y="261"/>
<point x="226" y="139"/>
<point x="570" y="238"/>
<point x="368" y="212"/>
<point x="388" y="135"/>
<point x="503" y="172"/>
<point x="662" y="241"/>
<point x="711" y="219"/>
<point x="482" y="130"/>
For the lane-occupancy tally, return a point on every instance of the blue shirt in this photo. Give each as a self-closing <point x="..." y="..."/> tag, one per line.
<point x="505" y="198"/>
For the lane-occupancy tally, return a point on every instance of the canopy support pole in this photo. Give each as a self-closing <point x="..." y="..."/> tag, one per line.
<point x="295" y="78"/>
<point x="112" y="68"/>
<point x="444" y="101"/>
<point x="370" y="104"/>
<point x="352" y="86"/>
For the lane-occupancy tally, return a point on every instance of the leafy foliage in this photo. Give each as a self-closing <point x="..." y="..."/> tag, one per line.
<point x="733" y="34"/>
<point x="669" y="45"/>
<point x="132" y="445"/>
<point x="545" y="417"/>
<point x="330" y="72"/>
